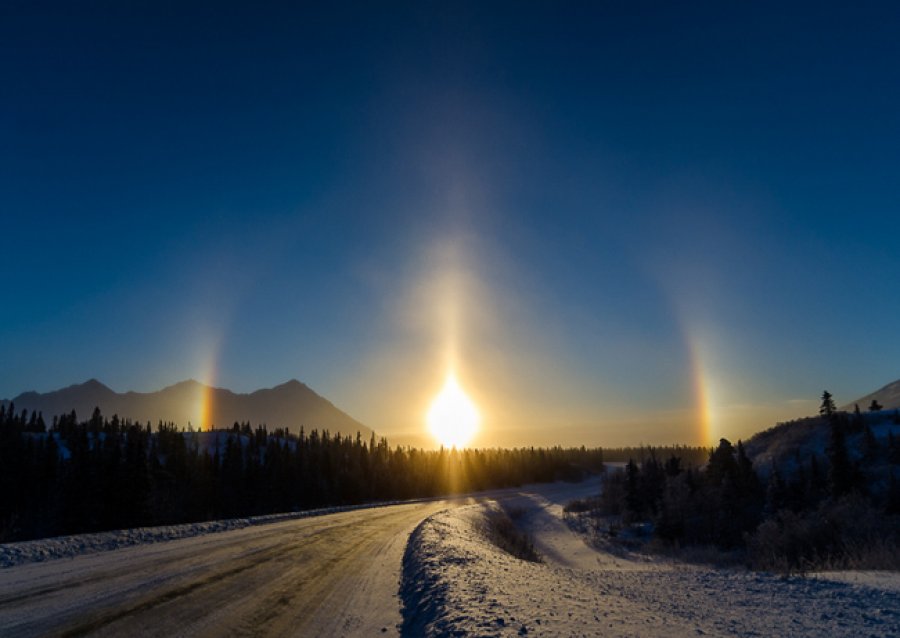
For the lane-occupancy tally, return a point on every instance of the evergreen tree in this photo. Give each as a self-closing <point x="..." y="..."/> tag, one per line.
<point x="859" y="421"/>
<point x="893" y="449"/>
<point x="673" y="466"/>
<point x="652" y="483"/>
<point x="722" y="464"/>
<point x="746" y="476"/>
<point x="817" y="482"/>
<point x="776" y="493"/>
<point x="632" y="493"/>
<point x="840" y="472"/>
<point x="870" y="444"/>
<point x="893" y="496"/>
<point x="827" y="408"/>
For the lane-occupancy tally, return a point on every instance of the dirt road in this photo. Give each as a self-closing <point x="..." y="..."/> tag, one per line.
<point x="333" y="575"/>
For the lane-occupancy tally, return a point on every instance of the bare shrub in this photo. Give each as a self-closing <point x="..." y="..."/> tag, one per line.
<point x="515" y="513"/>
<point x="502" y="532"/>
<point x="582" y="505"/>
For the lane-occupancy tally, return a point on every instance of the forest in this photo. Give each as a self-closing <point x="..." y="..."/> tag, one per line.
<point x="108" y="473"/>
<point x="840" y="509"/>
<point x="693" y="455"/>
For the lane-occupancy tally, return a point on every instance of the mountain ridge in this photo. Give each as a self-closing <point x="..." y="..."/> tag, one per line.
<point x="888" y="396"/>
<point x="291" y="404"/>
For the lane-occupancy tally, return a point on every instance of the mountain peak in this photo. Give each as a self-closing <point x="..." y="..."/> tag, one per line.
<point x="93" y="384"/>
<point x="292" y="384"/>
<point x="187" y="384"/>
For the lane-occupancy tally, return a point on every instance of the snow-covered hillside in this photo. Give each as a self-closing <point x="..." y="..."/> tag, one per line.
<point x="781" y="445"/>
<point x="457" y="582"/>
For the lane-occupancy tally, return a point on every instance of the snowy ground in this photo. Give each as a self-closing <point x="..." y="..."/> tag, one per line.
<point x="456" y="582"/>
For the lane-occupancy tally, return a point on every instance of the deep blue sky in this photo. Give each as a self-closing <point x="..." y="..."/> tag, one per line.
<point x="621" y="217"/>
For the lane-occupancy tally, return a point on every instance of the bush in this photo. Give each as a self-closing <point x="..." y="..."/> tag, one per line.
<point x="848" y="533"/>
<point x="502" y="532"/>
<point x="582" y="505"/>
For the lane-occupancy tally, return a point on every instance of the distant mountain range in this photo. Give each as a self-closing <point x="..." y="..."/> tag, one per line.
<point x="291" y="405"/>
<point x="888" y="397"/>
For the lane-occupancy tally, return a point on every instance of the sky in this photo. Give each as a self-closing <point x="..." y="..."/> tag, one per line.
<point x="616" y="222"/>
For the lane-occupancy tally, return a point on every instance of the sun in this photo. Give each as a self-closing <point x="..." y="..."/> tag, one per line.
<point x="453" y="418"/>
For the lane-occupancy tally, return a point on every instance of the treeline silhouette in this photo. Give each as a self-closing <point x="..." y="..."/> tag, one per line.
<point x="687" y="454"/>
<point x="840" y="509"/>
<point x="100" y="474"/>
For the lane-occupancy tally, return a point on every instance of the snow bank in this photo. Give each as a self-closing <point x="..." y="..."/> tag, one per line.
<point x="886" y="580"/>
<point x="455" y="582"/>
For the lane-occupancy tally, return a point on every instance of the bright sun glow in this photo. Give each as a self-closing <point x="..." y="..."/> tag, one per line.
<point x="453" y="418"/>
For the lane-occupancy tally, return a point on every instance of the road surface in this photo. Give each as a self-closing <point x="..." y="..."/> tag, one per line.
<point x="329" y="575"/>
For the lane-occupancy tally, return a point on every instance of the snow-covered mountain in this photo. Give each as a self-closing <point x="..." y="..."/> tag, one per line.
<point x="290" y="405"/>
<point x="888" y="397"/>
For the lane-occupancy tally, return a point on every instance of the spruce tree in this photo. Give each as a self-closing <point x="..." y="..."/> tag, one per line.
<point x="893" y="496"/>
<point x="859" y="422"/>
<point x="840" y="472"/>
<point x="870" y="444"/>
<point x="722" y="464"/>
<point x="632" y="492"/>
<point x="827" y="408"/>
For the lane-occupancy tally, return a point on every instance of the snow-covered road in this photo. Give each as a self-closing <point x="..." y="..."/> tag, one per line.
<point x="330" y="575"/>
